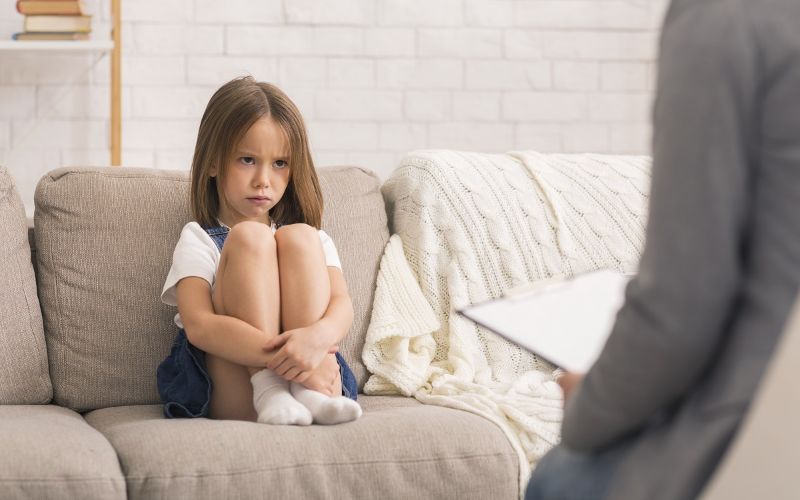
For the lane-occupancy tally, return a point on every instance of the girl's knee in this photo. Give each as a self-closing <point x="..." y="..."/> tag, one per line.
<point x="297" y="236"/>
<point x="251" y="236"/>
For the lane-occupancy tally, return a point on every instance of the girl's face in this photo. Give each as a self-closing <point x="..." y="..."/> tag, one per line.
<point x="256" y="175"/>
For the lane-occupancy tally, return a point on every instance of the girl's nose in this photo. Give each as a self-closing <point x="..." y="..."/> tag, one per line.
<point x="261" y="181"/>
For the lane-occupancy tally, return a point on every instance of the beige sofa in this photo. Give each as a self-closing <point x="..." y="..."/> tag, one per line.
<point x="79" y="410"/>
<point x="79" y="344"/>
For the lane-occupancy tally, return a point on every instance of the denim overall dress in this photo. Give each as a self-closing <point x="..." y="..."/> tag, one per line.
<point x="183" y="381"/>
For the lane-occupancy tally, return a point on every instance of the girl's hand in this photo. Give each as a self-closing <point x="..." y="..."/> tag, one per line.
<point x="299" y="352"/>
<point x="325" y="378"/>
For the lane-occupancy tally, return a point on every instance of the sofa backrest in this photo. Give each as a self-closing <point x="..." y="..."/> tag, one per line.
<point x="104" y="241"/>
<point x="24" y="377"/>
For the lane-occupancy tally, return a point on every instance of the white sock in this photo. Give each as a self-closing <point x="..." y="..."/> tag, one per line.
<point x="326" y="410"/>
<point x="274" y="403"/>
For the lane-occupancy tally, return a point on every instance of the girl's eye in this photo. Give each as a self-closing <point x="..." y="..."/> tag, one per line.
<point x="247" y="160"/>
<point x="280" y="164"/>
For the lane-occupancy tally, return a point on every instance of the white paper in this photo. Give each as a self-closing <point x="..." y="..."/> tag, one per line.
<point x="566" y="322"/>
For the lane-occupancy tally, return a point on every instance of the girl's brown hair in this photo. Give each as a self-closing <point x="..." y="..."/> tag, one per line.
<point x="229" y="114"/>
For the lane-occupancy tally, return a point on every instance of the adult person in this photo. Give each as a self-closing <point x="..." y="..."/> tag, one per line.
<point x="719" y="272"/>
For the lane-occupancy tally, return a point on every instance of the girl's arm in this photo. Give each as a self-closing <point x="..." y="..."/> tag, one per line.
<point x="336" y="322"/>
<point x="225" y="336"/>
<point x="298" y="352"/>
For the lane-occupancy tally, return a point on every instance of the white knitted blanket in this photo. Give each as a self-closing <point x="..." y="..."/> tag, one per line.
<point x="469" y="226"/>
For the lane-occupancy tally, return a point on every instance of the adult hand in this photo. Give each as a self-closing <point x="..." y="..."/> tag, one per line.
<point x="568" y="382"/>
<point x="299" y="352"/>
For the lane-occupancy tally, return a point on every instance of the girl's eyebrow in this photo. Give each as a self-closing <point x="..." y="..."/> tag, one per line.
<point x="247" y="152"/>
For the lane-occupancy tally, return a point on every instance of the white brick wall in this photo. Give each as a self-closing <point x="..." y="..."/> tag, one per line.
<point x="373" y="78"/>
<point x="5" y="134"/>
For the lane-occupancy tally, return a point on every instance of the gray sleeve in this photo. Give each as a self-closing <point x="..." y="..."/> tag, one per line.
<point x="677" y="307"/>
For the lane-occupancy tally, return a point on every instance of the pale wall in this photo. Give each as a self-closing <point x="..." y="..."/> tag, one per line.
<point x="374" y="79"/>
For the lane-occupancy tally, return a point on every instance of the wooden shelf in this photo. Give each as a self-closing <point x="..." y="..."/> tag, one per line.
<point x="112" y="46"/>
<point x="57" y="45"/>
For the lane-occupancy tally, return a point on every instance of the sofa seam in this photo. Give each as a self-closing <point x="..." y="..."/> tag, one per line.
<point x="56" y="296"/>
<point x="43" y="365"/>
<point x="324" y="464"/>
<point x="118" y="175"/>
<point x="63" y="480"/>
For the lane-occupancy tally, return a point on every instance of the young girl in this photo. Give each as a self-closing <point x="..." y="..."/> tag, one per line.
<point x="259" y="317"/>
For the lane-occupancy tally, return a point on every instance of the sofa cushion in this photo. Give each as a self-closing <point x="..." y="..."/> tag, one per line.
<point x="355" y="218"/>
<point x="51" y="452"/>
<point x="398" y="447"/>
<point x="104" y="239"/>
<point x="24" y="378"/>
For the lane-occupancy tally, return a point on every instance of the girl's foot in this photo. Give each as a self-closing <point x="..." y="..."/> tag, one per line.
<point x="274" y="403"/>
<point x="324" y="409"/>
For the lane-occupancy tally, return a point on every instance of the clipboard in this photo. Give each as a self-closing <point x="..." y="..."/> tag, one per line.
<point x="566" y="322"/>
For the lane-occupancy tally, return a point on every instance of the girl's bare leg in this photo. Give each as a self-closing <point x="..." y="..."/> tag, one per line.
<point x="305" y="295"/>
<point x="305" y="283"/>
<point x="247" y="287"/>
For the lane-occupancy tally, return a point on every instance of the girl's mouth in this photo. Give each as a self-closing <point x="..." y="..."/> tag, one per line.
<point x="260" y="200"/>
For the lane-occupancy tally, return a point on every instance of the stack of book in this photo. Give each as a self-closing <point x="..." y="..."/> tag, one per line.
<point x="54" y="20"/>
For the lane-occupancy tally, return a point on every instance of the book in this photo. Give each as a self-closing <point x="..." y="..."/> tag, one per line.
<point x="51" y="7"/>
<point x="58" y="24"/>
<point x="564" y="321"/>
<point x="51" y="36"/>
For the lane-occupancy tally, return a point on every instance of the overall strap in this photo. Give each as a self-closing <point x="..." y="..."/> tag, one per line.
<point x="218" y="235"/>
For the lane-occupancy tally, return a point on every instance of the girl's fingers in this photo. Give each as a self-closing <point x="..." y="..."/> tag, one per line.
<point x="276" y="360"/>
<point x="292" y="373"/>
<point x="282" y="368"/>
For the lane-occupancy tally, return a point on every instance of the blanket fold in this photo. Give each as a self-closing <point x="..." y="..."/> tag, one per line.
<point x="467" y="227"/>
<point x="401" y="348"/>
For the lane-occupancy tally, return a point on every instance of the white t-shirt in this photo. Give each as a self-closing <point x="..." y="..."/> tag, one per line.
<point x="196" y="254"/>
